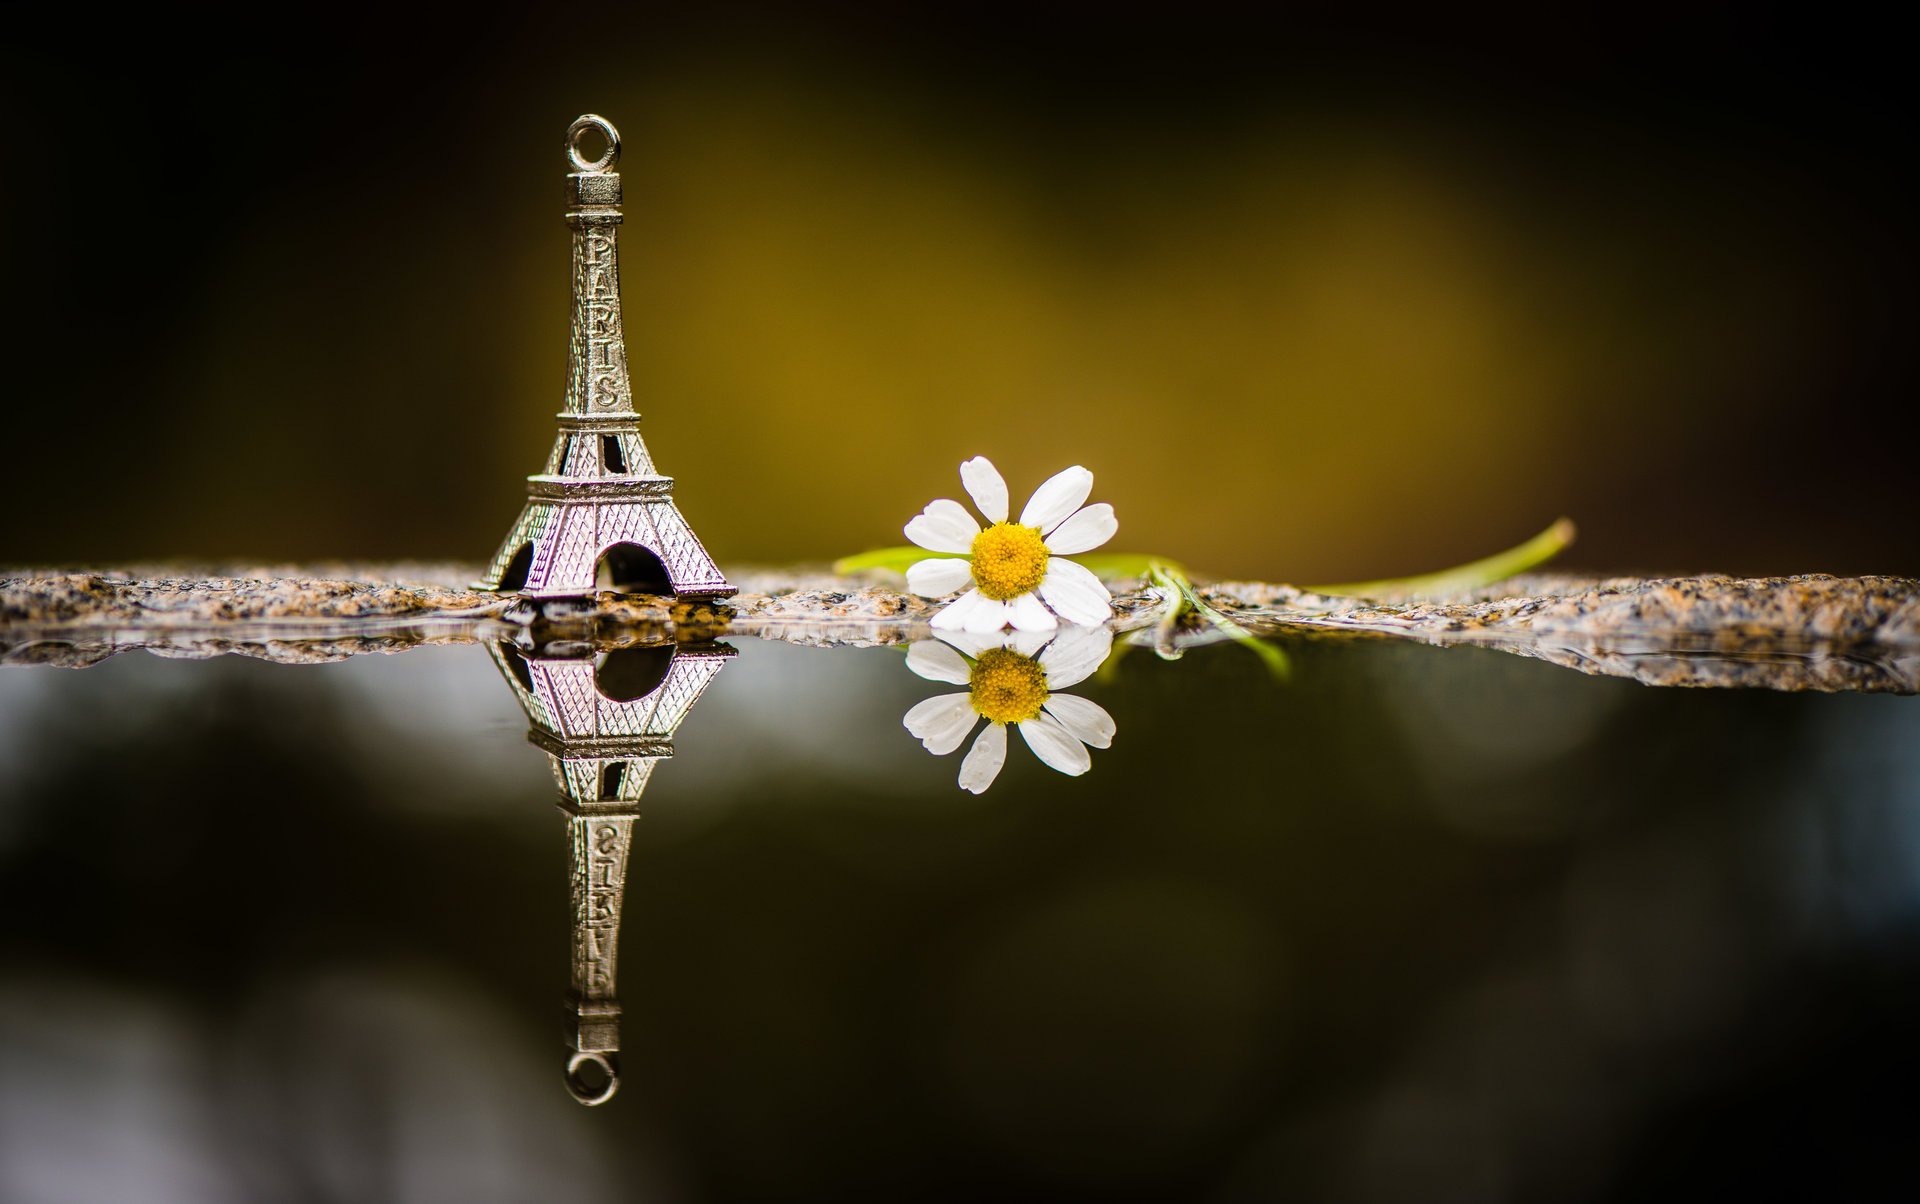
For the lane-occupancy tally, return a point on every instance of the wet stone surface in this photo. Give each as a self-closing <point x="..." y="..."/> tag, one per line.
<point x="1807" y="632"/>
<point x="1811" y="632"/>
<point x="172" y="595"/>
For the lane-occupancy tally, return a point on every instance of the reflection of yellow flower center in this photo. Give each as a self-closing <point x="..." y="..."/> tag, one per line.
<point x="1007" y="687"/>
<point x="1008" y="560"/>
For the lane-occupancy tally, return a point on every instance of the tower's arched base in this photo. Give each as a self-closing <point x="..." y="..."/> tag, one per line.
<point x="569" y="537"/>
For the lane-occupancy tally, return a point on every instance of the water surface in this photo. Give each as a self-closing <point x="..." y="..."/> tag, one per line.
<point x="1415" y="924"/>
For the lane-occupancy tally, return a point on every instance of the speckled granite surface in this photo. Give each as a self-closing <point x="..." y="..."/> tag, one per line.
<point x="1809" y="632"/>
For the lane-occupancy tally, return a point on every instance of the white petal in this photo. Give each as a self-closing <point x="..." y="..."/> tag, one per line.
<point x="1074" y="656"/>
<point x="984" y="759"/>
<point x="1089" y="527"/>
<point x="936" y="662"/>
<point x="1056" y="746"/>
<point x="953" y="616"/>
<point x="972" y="644"/>
<point x="1088" y="721"/>
<point x="1027" y="614"/>
<point x="987" y="487"/>
<point x="988" y="615"/>
<point x="1060" y="496"/>
<point x="939" y="575"/>
<point x="1075" y="594"/>
<point x="1029" y="643"/>
<point x="942" y="723"/>
<point x="944" y="526"/>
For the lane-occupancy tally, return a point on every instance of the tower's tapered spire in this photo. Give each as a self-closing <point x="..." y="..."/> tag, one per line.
<point x="599" y="499"/>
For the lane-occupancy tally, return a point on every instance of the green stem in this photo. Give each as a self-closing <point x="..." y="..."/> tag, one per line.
<point x="1188" y="598"/>
<point x="1463" y="578"/>
<point x="1114" y="565"/>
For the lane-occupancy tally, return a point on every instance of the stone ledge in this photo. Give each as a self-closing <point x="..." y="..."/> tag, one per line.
<point x="1812" y="632"/>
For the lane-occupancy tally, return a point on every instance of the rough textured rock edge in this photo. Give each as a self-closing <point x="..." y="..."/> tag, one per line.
<point x="1807" y="632"/>
<point x="1811" y="632"/>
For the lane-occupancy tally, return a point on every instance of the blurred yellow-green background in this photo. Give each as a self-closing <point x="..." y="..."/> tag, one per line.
<point x="1314" y="300"/>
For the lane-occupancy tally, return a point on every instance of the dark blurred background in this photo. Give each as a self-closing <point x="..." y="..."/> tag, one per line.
<point x="1313" y="299"/>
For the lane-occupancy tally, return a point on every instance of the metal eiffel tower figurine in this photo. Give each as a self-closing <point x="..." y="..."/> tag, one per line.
<point x="605" y="722"/>
<point x="599" y="501"/>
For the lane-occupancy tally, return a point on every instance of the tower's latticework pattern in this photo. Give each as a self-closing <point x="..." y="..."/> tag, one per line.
<point x="599" y="498"/>
<point x="605" y="721"/>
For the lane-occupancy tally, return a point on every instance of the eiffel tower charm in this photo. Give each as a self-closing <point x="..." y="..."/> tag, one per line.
<point x="599" y="503"/>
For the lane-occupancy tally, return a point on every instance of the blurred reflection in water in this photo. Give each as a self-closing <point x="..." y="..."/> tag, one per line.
<point x="1107" y="1095"/>
<point x="367" y="1082"/>
<point x="105" y="1096"/>
<point x="1483" y="741"/>
<point x="293" y="931"/>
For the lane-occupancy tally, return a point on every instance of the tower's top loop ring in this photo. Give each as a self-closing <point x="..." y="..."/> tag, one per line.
<point x="580" y="1090"/>
<point x="608" y="157"/>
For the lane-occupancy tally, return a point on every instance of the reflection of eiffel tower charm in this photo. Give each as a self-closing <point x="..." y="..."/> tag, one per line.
<point x="605" y="722"/>
<point x="599" y="498"/>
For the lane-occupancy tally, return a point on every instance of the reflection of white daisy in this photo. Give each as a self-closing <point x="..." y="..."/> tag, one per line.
<point x="1015" y="569"/>
<point x="1009" y="685"/>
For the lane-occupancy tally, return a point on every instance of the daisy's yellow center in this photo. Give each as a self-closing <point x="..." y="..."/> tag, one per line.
<point x="1008" y="560"/>
<point x="1007" y="687"/>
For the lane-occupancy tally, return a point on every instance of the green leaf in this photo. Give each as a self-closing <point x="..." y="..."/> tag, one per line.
<point x="1497" y="567"/>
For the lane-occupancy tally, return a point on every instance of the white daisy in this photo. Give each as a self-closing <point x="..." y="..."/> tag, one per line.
<point x="1016" y="571"/>
<point x="1010" y="682"/>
